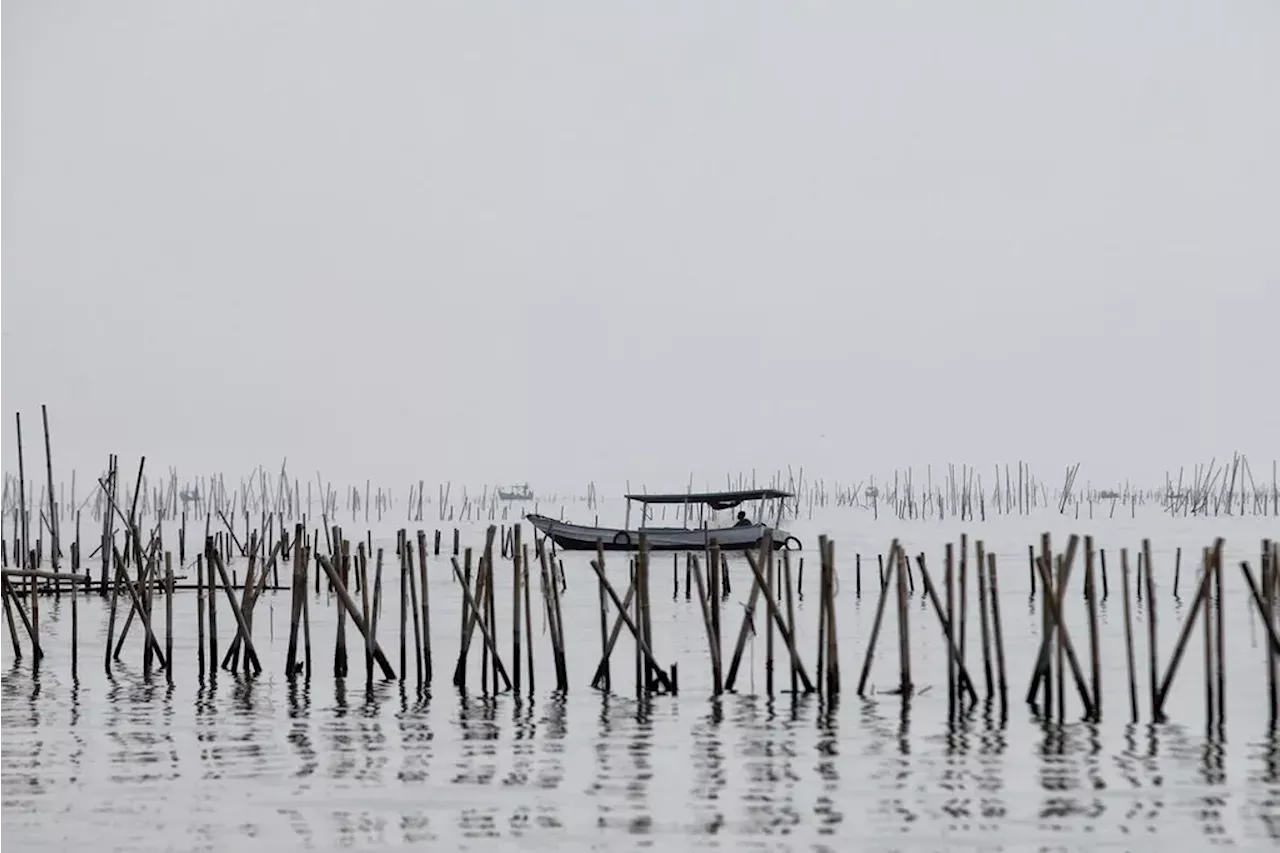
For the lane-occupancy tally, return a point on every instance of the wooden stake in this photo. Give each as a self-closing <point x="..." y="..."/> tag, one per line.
<point x="983" y="618"/>
<point x="1002" y="681"/>
<point x="879" y="618"/>
<point x="772" y="613"/>
<point x="1095" y="655"/>
<point x="349" y="605"/>
<point x="1151" y="626"/>
<point x="1131" y="668"/>
<point x="426" y="608"/>
<point x="964" y="681"/>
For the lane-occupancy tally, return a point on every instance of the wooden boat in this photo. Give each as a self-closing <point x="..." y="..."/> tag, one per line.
<point x="740" y="537"/>
<point x="521" y="492"/>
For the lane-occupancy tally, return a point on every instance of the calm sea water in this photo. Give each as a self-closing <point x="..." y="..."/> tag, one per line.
<point x="126" y="763"/>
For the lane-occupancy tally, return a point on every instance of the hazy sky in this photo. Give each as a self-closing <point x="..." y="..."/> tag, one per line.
<point x="608" y="240"/>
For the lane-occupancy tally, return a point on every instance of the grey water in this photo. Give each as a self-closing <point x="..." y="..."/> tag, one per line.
<point x="128" y="763"/>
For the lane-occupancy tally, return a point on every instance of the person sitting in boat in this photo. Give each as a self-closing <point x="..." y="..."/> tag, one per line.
<point x="742" y="521"/>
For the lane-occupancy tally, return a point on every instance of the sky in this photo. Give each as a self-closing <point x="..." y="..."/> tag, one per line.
<point x="638" y="241"/>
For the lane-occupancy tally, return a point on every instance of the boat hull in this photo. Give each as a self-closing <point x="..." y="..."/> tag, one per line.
<point x="577" y="537"/>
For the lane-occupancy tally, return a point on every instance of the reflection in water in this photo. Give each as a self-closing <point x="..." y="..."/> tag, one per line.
<point x="989" y="777"/>
<point x="364" y="776"/>
<point x="1213" y="775"/>
<point x="1064" y="759"/>
<point x="638" y="769"/>
<point x="828" y="813"/>
<point x="477" y="764"/>
<point x="1263" y="802"/>
<point x="267" y="764"/>
<point x="602" y="788"/>
<point x="1141" y="771"/>
<point x="708" y="765"/>
<point x="887" y="739"/>
<point x="770" y="755"/>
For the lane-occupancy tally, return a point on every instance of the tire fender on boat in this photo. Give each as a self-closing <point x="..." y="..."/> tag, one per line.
<point x="622" y="537"/>
<point x="798" y="545"/>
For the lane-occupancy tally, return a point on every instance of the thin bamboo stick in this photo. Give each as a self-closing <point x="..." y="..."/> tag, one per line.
<point x="1130" y="665"/>
<point x="1002" y="681"/>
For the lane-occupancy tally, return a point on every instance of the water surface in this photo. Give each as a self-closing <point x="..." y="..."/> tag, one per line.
<point x="130" y="763"/>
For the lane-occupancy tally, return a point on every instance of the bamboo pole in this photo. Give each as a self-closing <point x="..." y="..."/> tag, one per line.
<point x="168" y="616"/>
<point x="306" y="614"/>
<point x="516" y="553"/>
<point x="409" y="577"/>
<point x="983" y="617"/>
<point x="76" y="628"/>
<point x="1130" y="665"/>
<point x="212" y="576"/>
<point x="1041" y="673"/>
<point x="876" y="622"/>
<point x="605" y="679"/>
<point x="145" y="616"/>
<point x="23" y="525"/>
<point x="402" y="549"/>
<point x="426" y="608"/>
<point x="13" y="630"/>
<point x="1207" y="568"/>
<point x="1202" y="592"/>
<point x="770" y="597"/>
<point x="631" y="625"/>
<point x="949" y="621"/>
<point x="551" y="597"/>
<point x="772" y="613"/>
<point x="962" y="627"/>
<point x="791" y="614"/>
<point x="964" y="681"/>
<point x="1151" y="626"/>
<point x="1260" y="600"/>
<point x="904" y="633"/>
<point x="349" y="605"/>
<point x="603" y="668"/>
<point x="1054" y="604"/>
<point x="476" y="619"/>
<point x="821" y="671"/>
<point x="1002" y="681"/>
<point x="833" y="647"/>
<point x="1268" y="611"/>
<point x="251" y="655"/>
<point x="200" y="605"/>
<point x="36" y="652"/>
<point x="1060" y="668"/>
<point x="1095" y="658"/>
<point x="528" y="616"/>
<point x="55" y="551"/>
<point x="362" y="583"/>
<point x="704" y="606"/>
<point x="1221" y="638"/>
<point x="299" y="591"/>
<point x="341" y="578"/>
<point x="747" y="629"/>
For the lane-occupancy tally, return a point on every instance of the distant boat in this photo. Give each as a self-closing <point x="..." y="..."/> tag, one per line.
<point x="521" y="492"/>
<point x="740" y="537"/>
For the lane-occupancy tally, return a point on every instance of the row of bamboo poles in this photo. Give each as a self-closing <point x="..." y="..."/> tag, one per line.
<point x="141" y="569"/>
<point x="1207" y="490"/>
<point x="1058" y="656"/>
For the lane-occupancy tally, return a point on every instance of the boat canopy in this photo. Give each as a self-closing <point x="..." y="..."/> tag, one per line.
<point x="715" y="500"/>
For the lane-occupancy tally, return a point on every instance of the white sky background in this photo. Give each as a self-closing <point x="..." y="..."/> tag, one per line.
<point x="607" y="240"/>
